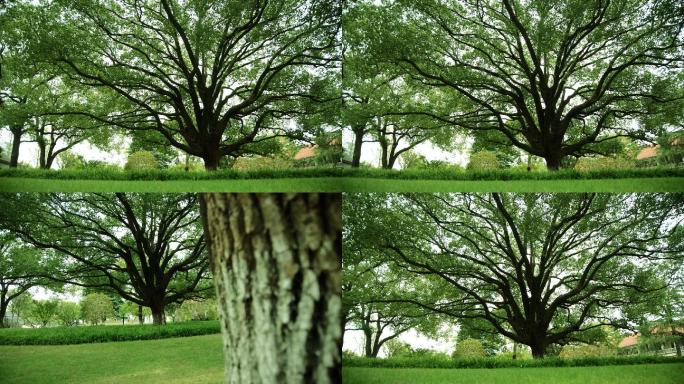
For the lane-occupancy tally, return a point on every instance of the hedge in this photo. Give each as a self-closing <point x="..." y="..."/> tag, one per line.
<point x="410" y="174"/>
<point x="494" y="362"/>
<point x="104" y="333"/>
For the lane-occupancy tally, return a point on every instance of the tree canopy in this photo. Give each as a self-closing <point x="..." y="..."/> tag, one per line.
<point x="539" y="269"/>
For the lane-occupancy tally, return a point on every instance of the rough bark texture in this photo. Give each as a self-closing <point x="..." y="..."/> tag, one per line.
<point x="277" y="272"/>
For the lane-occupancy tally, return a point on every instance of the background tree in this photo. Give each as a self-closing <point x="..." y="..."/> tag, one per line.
<point x="96" y="308"/>
<point x="212" y="79"/>
<point x="21" y="268"/>
<point x="44" y="311"/>
<point x="540" y="269"/>
<point x="276" y="263"/>
<point x="68" y="313"/>
<point x="551" y="91"/>
<point x="147" y="248"/>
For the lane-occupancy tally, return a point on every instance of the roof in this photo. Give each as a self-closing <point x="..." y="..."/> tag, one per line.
<point x="306" y="152"/>
<point x="629" y="341"/>
<point x="647" y="152"/>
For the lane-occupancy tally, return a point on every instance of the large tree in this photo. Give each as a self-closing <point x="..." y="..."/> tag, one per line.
<point x="541" y="269"/>
<point x="556" y="78"/>
<point x="212" y="78"/>
<point x="276" y="264"/>
<point x="147" y="248"/>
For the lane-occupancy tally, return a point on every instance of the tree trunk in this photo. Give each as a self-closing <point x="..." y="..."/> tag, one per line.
<point x="42" y="157"/>
<point x="141" y="318"/>
<point x="538" y="350"/>
<point x="515" y="350"/>
<point x="276" y="264"/>
<point x="158" y="317"/>
<point x="16" y="142"/>
<point x="553" y="161"/>
<point x="358" y="143"/>
<point x="3" y="312"/>
<point x="212" y="160"/>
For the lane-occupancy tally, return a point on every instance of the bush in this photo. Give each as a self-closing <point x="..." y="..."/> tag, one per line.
<point x="409" y="174"/>
<point x="397" y="348"/>
<point x="43" y="311"/>
<point x="468" y="349"/>
<point x="585" y="164"/>
<point x="105" y="333"/>
<point x="141" y="160"/>
<point x="197" y="310"/>
<point x="68" y="313"/>
<point x="261" y="162"/>
<point x="483" y="161"/>
<point x="585" y="350"/>
<point x="493" y="362"/>
<point x="96" y="308"/>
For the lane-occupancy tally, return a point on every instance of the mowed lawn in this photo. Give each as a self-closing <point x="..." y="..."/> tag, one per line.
<point x="343" y="184"/>
<point x="622" y="374"/>
<point x="197" y="359"/>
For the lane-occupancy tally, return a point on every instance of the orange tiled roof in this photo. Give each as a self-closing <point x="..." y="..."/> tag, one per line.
<point x="306" y="152"/>
<point x="629" y="341"/>
<point x="647" y="152"/>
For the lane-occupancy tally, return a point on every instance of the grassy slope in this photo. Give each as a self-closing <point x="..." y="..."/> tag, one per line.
<point x="632" y="374"/>
<point x="197" y="359"/>
<point x="339" y="184"/>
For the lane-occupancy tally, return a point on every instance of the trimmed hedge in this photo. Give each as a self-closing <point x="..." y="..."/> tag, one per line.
<point x="410" y="174"/>
<point x="104" y="333"/>
<point x="493" y="362"/>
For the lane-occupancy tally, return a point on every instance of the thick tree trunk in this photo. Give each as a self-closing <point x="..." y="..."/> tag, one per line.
<point x="276" y="263"/>
<point x="3" y="312"/>
<point x="158" y="312"/>
<point x="212" y="160"/>
<point x="358" y="143"/>
<point x="42" y="157"/>
<point x="538" y="350"/>
<point x="141" y="318"/>
<point x="553" y="160"/>
<point x="16" y="142"/>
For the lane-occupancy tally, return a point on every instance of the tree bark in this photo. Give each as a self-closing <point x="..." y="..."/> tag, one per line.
<point x="358" y="143"/>
<point x="277" y="272"/>
<point x="158" y="313"/>
<point x="212" y="160"/>
<point x="553" y="160"/>
<point x="538" y="350"/>
<point x="141" y="318"/>
<point x="3" y="309"/>
<point x="17" y="131"/>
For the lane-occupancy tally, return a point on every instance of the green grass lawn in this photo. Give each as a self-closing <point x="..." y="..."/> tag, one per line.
<point x="624" y="374"/>
<point x="343" y="184"/>
<point x="197" y="359"/>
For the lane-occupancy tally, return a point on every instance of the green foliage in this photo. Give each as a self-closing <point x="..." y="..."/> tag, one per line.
<point x="96" y="308"/>
<point x="397" y="348"/>
<point x="468" y="349"/>
<point x="105" y="333"/>
<point x="141" y="161"/>
<point x="483" y="161"/>
<point x="68" y="313"/>
<point x="43" y="311"/>
<point x="586" y="164"/>
<point x="492" y="362"/>
<point x="197" y="310"/>
<point x="585" y="350"/>
<point x="410" y="174"/>
<point x="243" y="164"/>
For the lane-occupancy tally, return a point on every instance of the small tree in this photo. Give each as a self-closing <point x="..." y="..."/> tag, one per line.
<point x="483" y="161"/>
<point x="397" y="348"/>
<point x="44" y="311"/>
<point x="68" y="313"/>
<point x="141" y="160"/>
<point x="96" y="307"/>
<point x="197" y="310"/>
<point x="468" y="348"/>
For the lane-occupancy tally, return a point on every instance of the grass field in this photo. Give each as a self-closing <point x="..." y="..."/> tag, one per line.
<point x="630" y="374"/>
<point x="343" y="184"/>
<point x="197" y="359"/>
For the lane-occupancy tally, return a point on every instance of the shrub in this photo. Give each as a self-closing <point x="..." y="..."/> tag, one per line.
<point x="585" y="350"/>
<point x="585" y="164"/>
<point x="397" y="348"/>
<point x="468" y="349"/>
<point x="483" y="161"/>
<point x="261" y="162"/>
<point x="105" y="333"/>
<point x="96" y="308"/>
<point x="141" y="160"/>
<point x="519" y="355"/>
<point x="197" y="310"/>
<point x="493" y="362"/>
<point x="68" y="313"/>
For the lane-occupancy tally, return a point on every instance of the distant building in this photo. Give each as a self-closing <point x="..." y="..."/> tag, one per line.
<point x="631" y="345"/>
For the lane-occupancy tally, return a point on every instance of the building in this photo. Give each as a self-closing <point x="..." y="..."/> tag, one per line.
<point x="665" y="346"/>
